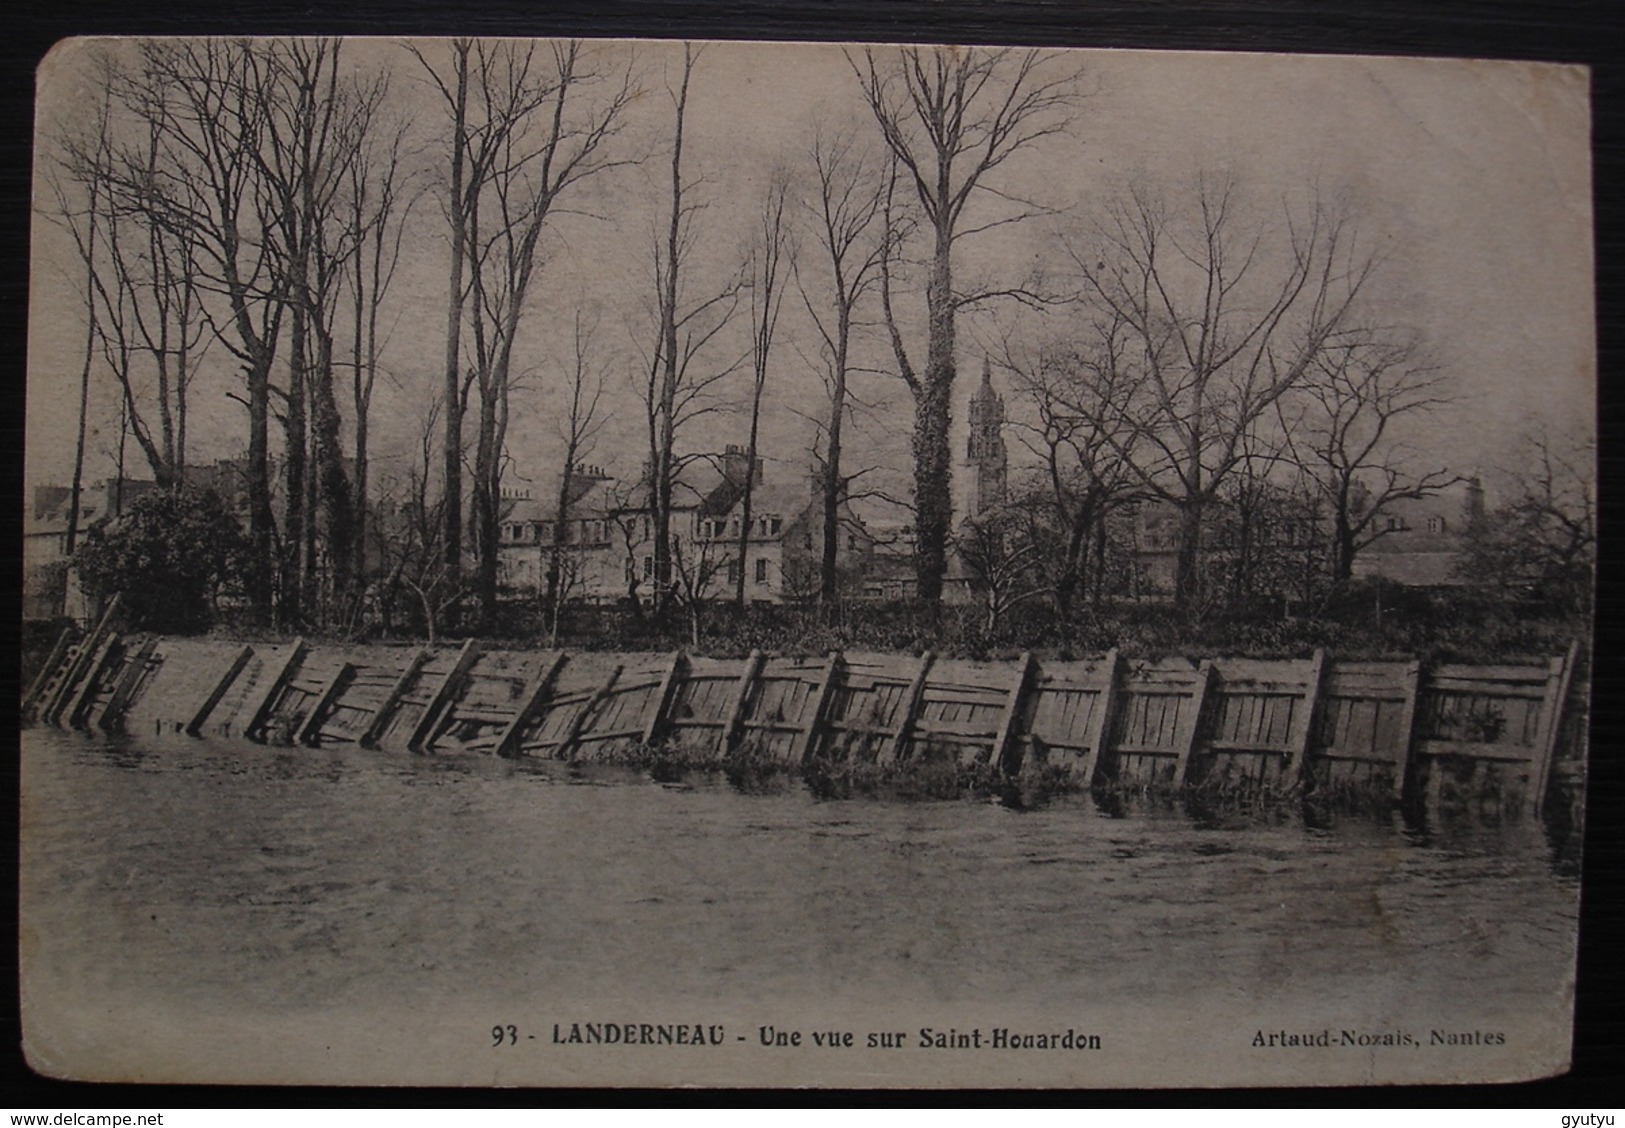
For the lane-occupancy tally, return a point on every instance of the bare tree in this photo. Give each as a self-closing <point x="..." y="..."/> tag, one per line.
<point x="377" y="207"/>
<point x="951" y="117"/>
<point x="679" y="389"/>
<point x="84" y="162"/>
<point x="144" y="310"/>
<point x="633" y="526"/>
<point x="1085" y="441"/>
<point x="1002" y="557"/>
<point x="528" y="124"/>
<point x="1220" y="315"/>
<point x="1341" y="431"/>
<point x="414" y="557"/>
<point x="579" y="427"/>
<point x="315" y="125"/>
<point x="203" y="104"/>
<point x="846" y="217"/>
<point x="695" y="565"/>
<point x="772" y="246"/>
<point x="1540" y="546"/>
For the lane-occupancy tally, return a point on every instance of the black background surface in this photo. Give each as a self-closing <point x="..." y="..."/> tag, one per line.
<point x="1571" y="31"/>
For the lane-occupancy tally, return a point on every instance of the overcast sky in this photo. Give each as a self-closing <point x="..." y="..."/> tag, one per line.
<point x="1471" y="178"/>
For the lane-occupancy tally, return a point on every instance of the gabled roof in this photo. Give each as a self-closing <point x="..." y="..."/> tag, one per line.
<point x="699" y="484"/>
<point x="589" y="497"/>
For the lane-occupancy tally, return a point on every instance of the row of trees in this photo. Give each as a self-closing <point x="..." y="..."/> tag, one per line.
<point x="237" y="197"/>
<point x="253" y="197"/>
<point x="1195" y="349"/>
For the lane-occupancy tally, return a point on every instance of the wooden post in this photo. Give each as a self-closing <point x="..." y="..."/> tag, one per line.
<point x="386" y="709"/>
<point x="195" y="725"/>
<point x="579" y="721"/>
<point x="1551" y="721"/>
<point x="1292" y="770"/>
<point x="508" y="743"/>
<point x="655" y="730"/>
<point x="1105" y="717"/>
<point x="736" y="704"/>
<point x="310" y="729"/>
<point x="1002" y="758"/>
<point x="807" y="740"/>
<point x="911" y="707"/>
<point x="1407" y="727"/>
<point x="127" y="683"/>
<point x="75" y="712"/>
<point x="1193" y="728"/>
<point x="76" y="666"/>
<point x="262" y="712"/>
<point x="423" y="733"/>
<point x="53" y="660"/>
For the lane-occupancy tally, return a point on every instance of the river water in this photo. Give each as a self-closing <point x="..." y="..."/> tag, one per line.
<point x="220" y="911"/>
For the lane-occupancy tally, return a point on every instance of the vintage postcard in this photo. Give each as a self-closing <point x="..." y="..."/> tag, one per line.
<point x="754" y="564"/>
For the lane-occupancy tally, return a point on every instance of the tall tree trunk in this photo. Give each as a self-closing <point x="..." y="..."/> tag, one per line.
<point x="555" y="554"/>
<point x="828" y="566"/>
<point x="1188" y="559"/>
<point x="933" y="417"/>
<point x="261" y="520"/>
<point x="338" y="513"/>
<point x="666" y="423"/>
<point x="293" y="479"/>
<point x="452" y="505"/>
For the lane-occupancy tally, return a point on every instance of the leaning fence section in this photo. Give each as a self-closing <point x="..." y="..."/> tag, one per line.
<point x="1397" y="728"/>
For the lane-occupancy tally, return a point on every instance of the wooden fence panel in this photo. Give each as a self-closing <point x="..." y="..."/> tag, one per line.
<point x="95" y="682"/>
<point x="493" y="686"/>
<point x="700" y="701"/>
<point x="1159" y="709"/>
<point x="187" y="684"/>
<point x="239" y="695"/>
<point x="781" y="717"/>
<point x="52" y="670"/>
<point x="1069" y="714"/>
<point x="1362" y="738"/>
<point x="547" y="733"/>
<point x="138" y="667"/>
<point x="1258" y="723"/>
<point x="961" y="712"/>
<point x="413" y="699"/>
<point x="358" y="700"/>
<point x="312" y="681"/>
<point x="867" y="707"/>
<point x="623" y="710"/>
<point x="1485" y="732"/>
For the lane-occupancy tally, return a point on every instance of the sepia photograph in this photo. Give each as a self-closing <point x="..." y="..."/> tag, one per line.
<point x="603" y="562"/>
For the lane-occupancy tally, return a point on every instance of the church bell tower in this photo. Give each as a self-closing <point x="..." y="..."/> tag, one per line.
<point x="985" y="452"/>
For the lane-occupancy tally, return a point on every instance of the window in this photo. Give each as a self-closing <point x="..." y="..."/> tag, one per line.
<point x="774" y="526"/>
<point x="648" y="567"/>
<point x="761" y="571"/>
<point x="1435" y="524"/>
<point x="1396" y="524"/>
<point x="733" y="571"/>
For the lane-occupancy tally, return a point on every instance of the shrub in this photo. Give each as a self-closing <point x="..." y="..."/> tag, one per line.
<point x="172" y="555"/>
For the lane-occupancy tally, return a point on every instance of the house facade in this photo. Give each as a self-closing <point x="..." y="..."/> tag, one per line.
<point x="605" y="545"/>
<point x="1421" y="542"/>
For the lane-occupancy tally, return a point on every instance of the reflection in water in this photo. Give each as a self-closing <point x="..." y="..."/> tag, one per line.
<point x="230" y="875"/>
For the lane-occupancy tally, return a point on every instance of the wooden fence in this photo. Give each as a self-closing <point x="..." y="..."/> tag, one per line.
<point x="1396" y="729"/>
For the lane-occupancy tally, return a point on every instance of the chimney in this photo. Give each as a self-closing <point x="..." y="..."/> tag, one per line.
<point x="1473" y="505"/>
<point x="733" y="466"/>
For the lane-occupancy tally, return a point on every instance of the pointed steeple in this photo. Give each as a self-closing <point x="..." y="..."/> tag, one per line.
<point x="985" y="451"/>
